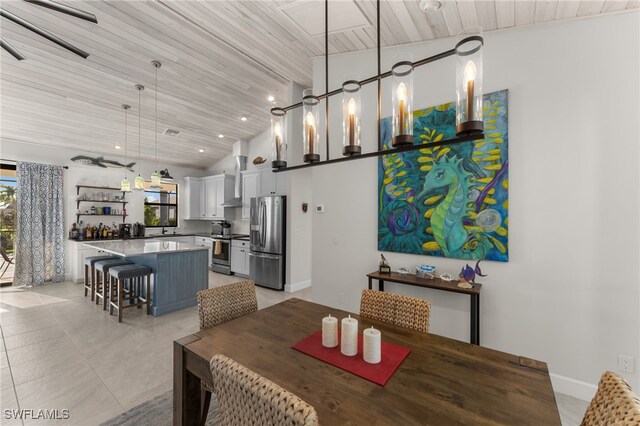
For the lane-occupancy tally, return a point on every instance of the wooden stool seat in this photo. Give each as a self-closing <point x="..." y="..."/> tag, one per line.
<point x="102" y="285"/>
<point x="90" y="274"/>
<point x="137" y="276"/>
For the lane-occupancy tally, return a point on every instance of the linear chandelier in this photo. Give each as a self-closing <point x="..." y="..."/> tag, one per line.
<point x="469" y="124"/>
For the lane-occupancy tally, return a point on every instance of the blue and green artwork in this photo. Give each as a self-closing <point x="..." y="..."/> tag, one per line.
<point x="449" y="201"/>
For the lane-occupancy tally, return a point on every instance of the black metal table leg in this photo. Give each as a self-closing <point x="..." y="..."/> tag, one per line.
<point x="381" y="285"/>
<point x="370" y="283"/>
<point x="475" y="320"/>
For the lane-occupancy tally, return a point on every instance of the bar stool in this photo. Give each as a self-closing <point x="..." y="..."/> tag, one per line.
<point x="102" y="285"/>
<point x="90" y="274"/>
<point x="135" y="275"/>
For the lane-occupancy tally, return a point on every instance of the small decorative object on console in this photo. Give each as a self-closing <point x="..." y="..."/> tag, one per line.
<point x="426" y="271"/>
<point x="259" y="160"/>
<point x="446" y="277"/>
<point x="384" y="267"/>
<point x="403" y="271"/>
<point x="468" y="275"/>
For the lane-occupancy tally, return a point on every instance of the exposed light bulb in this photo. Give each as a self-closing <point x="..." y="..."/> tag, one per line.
<point x="311" y="121"/>
<point x="277" y="130"/>
<point x="351" y="106"/>
<point x="271" y="98"/>
<point x="402" y="92"/>
<point x="470" y="71"/>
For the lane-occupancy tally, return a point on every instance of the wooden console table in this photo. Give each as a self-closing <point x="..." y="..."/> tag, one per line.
<point x="437" y="284"/>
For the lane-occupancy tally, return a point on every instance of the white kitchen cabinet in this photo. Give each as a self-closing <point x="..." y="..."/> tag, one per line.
<point x="218" y="189"/>
<point x="249" y="191"/>
<point x="259" y="183"/>
<point x="205" y="242"/>
<point x="240" y="257"/>
<point x="194" y="192"/>
<point x="270" y="183"/>
<point x="205" y="196"/>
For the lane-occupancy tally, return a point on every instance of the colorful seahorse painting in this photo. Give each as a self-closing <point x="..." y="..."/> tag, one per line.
<point x="447" y="201"/>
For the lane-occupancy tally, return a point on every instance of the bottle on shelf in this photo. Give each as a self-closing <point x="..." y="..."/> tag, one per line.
<point x="93" y="209"/>
<point x="80" y="232"/>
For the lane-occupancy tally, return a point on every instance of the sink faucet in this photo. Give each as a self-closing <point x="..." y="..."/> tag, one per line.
<point x="164" y="231"/>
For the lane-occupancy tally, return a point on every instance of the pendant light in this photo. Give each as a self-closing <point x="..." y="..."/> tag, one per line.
<point x="139" y="180"/>
<point x="125" y="185"/>
<point x="469" y="83"/>
<point x="155" y="176"/>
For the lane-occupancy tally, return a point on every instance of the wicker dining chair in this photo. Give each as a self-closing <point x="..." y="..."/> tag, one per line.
<point x="396" y="309"/>
<point x="218" y="305"/>
<point x="614" y="403"/>
<point x="246" y="398"/>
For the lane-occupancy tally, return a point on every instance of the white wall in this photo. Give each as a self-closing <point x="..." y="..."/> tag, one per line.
<point x="79" y="174"/>
<point x="570" y="293"/>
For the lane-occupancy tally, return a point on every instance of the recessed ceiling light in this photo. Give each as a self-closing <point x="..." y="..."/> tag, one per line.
<point x="271" y="98"/>
<point x="117" y="147"/>
<point x="243" y="118"/>
<point x="201" y="150"/>
<point x="221" y="136"/>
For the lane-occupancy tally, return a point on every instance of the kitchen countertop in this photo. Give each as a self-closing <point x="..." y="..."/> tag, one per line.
<point x="146" y="237"/>
<point x="243" y="237"/>
<point x="139" y="246"/>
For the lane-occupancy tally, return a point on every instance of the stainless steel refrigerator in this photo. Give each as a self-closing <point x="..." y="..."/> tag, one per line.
<point x="268" y="228"/>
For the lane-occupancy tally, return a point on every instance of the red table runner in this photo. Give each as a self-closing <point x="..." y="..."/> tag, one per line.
<point x="392" y="357"/>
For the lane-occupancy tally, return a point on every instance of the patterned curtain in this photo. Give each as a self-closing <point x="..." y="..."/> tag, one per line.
<point x="40" y="228"/>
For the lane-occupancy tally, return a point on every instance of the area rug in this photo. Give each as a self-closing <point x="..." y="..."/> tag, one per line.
<point x="157" y="412"/>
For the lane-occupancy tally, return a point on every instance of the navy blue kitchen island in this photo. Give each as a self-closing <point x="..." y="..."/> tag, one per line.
<point x="180" y="270"/>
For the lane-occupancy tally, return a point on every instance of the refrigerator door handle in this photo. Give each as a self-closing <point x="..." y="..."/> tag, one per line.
<point x="263" y="224"/>
<point x="264" y="255"/>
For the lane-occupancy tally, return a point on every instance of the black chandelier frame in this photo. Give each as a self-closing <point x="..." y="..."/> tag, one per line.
<point x="376" y="78"/>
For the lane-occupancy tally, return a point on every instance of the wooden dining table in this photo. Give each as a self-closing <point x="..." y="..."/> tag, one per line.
<point x="442" y="381"/>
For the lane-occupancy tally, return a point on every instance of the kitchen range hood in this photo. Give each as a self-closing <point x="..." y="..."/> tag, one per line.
<point x="239" y="150"/>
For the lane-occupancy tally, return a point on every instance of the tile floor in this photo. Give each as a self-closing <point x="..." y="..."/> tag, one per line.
<point x="59" y="351"/>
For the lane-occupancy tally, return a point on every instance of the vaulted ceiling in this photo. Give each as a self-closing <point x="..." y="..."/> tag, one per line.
<point x="220" y="61"/>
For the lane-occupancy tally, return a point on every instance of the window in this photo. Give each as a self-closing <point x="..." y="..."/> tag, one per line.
<point x="161" y="205"/>
<point x="7" y="218"/>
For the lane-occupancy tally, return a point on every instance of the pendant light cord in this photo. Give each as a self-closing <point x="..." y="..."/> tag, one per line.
<point x="156" y="132"/>
<point x="125" y="143"/>
<point x="139" y="132"/>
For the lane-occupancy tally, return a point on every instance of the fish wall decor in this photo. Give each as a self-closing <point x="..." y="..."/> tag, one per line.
<point x="101" y="162"/>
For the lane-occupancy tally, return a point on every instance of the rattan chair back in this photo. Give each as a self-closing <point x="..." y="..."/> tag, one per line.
<point x="614" y="403"/>
<point x="404" y="311"/>
<point x="221" y="304"/>
<point x="246" y="398"/>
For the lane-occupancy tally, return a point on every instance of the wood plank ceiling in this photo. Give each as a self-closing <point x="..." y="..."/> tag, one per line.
<point x="221" y="60"/>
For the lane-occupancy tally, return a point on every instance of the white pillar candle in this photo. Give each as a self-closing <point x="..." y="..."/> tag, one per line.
<point x="330" y="332"/>
<point x="371" y="345"/>
<point x="349" y="338"/>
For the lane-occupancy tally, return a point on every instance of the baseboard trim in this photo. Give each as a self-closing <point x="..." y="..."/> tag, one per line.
<point x="572" y="387"/>
<point x="290" y="288"/>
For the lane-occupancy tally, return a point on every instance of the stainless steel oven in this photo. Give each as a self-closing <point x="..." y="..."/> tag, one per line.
<point x="221" y="255"/>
